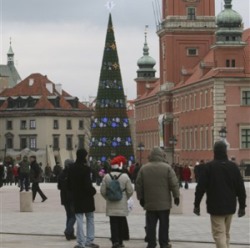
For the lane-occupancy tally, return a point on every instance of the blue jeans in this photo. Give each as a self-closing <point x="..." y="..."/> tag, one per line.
<point x="80" y="237"/>
<point x="71" y="218"/>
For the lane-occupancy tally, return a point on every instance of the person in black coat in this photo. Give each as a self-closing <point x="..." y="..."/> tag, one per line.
<point x="79" y="183"/>
<point x="35" y="176"/>
<point x="67" y="200"/>
<point x="222" y="182"/>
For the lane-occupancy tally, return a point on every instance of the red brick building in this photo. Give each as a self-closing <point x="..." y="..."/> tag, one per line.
<point x="204" y="84"/>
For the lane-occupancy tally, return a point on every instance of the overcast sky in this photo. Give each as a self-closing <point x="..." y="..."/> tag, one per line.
<point x="64" y="39"/>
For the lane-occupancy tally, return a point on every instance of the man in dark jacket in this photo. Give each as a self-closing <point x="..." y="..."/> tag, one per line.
<point x="35" y="176"/>
<point x="155" y="184"/>
<point x="83" y="192"/>
<point x="24" y="173"/>
<point x="222" y="182"/>
<point x="67" y="200"/>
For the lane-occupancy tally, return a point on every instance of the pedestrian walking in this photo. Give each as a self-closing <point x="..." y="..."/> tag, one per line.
<point x="117" y="200"/>
<point x="222" y="182"/>
<point x="155" y="182"/>
<point x="83" y="192"/>
<point x="186" y="176"/>
<point x="24" y="173"/>
<point x="67" y="200"/>
<point x="35" y="176"/>
<point x="1" y="173"/>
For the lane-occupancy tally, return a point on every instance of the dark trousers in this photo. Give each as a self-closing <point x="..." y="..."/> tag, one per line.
<point x="70" y="218"/>
<point x="119" y="229"/>
<point x="152" y="218"/>
<point x="24" y="181"/>
<point x="36" y="189"/>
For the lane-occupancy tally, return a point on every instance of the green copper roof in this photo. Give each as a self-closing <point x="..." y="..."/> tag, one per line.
<point x="228" y="17"/>
<point x="146" y="60"/>
<point x="10" y="52"/>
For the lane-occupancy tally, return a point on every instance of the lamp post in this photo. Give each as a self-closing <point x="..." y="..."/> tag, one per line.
<point x="140" y="148"/>
<point x="173" y="142"/>
<point x="223" y="133"/>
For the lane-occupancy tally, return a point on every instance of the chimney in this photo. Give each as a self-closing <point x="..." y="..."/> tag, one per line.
<point x="31" y="81"/>
<point x="49" y="87"/>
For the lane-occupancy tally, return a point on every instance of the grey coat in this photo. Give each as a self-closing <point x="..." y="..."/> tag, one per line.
<point x="155" y="183"/>
<point x="118" y="208"/>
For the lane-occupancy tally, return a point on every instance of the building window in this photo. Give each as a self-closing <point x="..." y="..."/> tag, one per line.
<point x="55" y="142"/>
<point x="23" y="125"/>
<point x="81" y="126"/>
<point x="32" y="142"/>
<point x="233" y="63"/>
<point x="9" y="142"/>
<point x="69" y="126"/>
<point x="32" y="124"/>
<point x="56" y="124"/>
<point x="80" y="141"/>
<point x="69" y="142"/>
<point x="227" y="63"/>
<point x="191" y="13"/>
<point x="23" y="143"/>
<point x="9" y="125"/>
<point x="192" y="51"/>
<point x="245" y="138"/>
<point x="245" y="97"/>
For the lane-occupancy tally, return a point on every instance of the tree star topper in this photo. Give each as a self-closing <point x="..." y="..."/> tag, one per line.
<point x="110" y="5"/>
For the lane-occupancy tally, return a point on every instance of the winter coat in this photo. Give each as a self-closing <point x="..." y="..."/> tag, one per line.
<point x="117" y="208"/>
<point x="155" y="182"/>
<point x="65" y="193"/>
<point x="35" y="172"/>
<point x="186" y="174"/>
<point x="24" y="167"/>
<point x="79" y="183"/>
<point x="223" y="184"/>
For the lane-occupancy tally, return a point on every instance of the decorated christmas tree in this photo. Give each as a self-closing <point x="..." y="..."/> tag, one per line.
<point x="110" y="129"/>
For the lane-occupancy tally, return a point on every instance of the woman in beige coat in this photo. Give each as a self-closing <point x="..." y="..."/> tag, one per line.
<point x="117" y="210"/>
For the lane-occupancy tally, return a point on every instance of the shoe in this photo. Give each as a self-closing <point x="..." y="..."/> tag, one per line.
<point x="72" y="237"/>
<point x="44" y="199"/>
<point x="167" y="246"/>
<point x="92" y="245"/>
<point x="116" y="245"/>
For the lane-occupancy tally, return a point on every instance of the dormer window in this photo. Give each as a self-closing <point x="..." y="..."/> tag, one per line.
<point x="191" y="15"/>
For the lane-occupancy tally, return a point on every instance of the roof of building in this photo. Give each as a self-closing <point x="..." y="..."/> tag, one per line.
<point x="39" y="93"/>
<point x="10" y="72"/>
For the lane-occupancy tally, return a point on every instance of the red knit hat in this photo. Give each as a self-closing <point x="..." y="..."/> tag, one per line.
<point x="118" y="162"/>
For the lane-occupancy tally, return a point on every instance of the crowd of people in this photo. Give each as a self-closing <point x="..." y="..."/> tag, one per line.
<point x="156" y="184"/>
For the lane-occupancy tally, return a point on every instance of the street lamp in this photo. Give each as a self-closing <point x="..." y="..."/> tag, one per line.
<point x="223" y="133"/>
<point x="173" y="142"/>
<point x="140" y="148"/>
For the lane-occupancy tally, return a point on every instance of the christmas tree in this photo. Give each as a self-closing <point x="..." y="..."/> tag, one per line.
<point x="110" y="129"/>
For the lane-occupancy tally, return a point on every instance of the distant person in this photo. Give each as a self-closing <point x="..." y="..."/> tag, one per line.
<point x="56" y="171"/>
<point x="222" y="182"/>
<point x="198" y="169"/>
<point x="24" y="174"/>
<point x="186" y="176"/>
<point x="67" y="200"/>
<point x="48" y="173"/>
<point x="83" y="192"/>
<point x="35" y="175"/>
<point x="155" y="185"/>
<point x="1" y="173"/>
<point x="117" y="209"/>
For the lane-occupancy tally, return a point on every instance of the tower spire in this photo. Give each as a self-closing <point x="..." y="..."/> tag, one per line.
<point x="10" y="55"/>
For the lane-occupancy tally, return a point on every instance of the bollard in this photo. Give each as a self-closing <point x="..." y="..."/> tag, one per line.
<point x="26" y="201"/>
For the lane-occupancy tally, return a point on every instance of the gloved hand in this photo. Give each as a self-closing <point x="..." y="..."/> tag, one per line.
<point x="142" y="202"/>
<point x="241" y="212"/>
<point x="177" y="201"/>
<point x="197" y="211"/>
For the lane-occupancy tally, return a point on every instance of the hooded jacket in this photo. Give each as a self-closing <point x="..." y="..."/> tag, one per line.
<point x="222" y="182"/>
<point x="156" y="181"/>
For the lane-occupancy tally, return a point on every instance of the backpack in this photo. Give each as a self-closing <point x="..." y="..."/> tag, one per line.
<point x="114" y="191"/>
